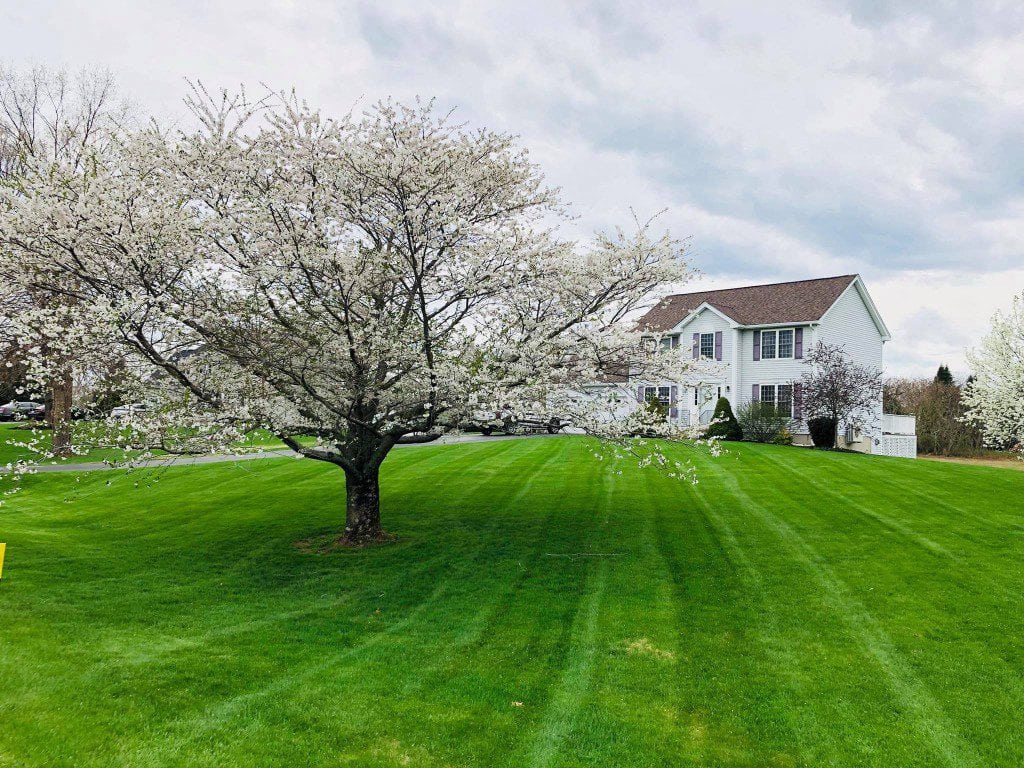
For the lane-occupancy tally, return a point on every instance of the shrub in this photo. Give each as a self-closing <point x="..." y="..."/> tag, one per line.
<point x="763" y="423"/>
<point x="784" y="437"/>
<point x="823" y="431"/>
<point x="723" y="422"/>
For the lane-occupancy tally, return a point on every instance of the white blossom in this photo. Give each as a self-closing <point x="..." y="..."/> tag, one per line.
<point x="995" y="397"/>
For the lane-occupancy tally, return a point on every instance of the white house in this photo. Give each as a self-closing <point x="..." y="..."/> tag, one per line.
<point x="752" y="340"/>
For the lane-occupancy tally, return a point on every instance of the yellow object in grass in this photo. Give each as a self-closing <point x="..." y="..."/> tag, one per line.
<point x="3" y="550"/>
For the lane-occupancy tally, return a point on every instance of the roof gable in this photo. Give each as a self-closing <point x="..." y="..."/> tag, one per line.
<point x="801" y="301"/>
<point x="696" y="312"/>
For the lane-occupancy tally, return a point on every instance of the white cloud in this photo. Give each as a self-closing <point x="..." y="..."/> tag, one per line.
<point x="849" y="137"/>
<point x="935" y="316"/>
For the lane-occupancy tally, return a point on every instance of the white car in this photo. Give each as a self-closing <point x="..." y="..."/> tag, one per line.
<point x="129" y="410"/>
<point x="21" y="410"/>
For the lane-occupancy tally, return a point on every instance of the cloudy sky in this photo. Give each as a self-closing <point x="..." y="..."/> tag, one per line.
<point x="883" y="138"/>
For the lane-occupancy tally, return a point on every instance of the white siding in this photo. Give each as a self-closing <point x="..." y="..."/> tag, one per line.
<point x="848" y="324"/>
<point x="895" y="424"/>
<point x="705" y="322"/>
<point x="784" y="371"/>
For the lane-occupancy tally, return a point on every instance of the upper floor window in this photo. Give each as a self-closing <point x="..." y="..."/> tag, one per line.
<point x="777" y="344"/>
<point x="669" y="342"/>
<point x="785" y="342"/>
<point x="707" y="345"/>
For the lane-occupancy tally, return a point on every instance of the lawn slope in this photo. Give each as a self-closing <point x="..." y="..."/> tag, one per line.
<point x="794" y="608"/>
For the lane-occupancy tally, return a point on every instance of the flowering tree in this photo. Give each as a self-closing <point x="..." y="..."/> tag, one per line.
<point x="47" y="117"/>
<point x="340" y="283"/>
<point x="837" y="388"/>
<point x="995" y="397"/>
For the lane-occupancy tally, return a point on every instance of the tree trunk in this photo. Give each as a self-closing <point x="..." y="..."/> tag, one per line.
<point x="362" y="509"/>
<point x="58" y="415"/>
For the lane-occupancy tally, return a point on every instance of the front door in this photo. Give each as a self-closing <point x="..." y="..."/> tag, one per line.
<point x="705" y="396"/>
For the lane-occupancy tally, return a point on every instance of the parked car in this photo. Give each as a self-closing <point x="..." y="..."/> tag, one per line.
<point x="510" y="424"/>
<point x="26" y="409"/>
<point x="128" y="410"/>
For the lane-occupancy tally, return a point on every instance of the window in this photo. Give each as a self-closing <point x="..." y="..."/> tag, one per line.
<point x="669" y="342"/>
<point x="777" y="344"/>
<point x="707" y="345"/>
<point x="780" y="396"/>
<point x="786" y="343"/>
<point x="784" y="399"/>
<point x="662" y="394"/>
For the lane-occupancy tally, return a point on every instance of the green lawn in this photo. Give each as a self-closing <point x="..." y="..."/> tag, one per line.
<point x="794" y="608"/>
<point x="12" y="432"/>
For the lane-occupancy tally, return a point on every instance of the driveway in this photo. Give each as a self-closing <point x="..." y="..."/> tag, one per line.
<point x="181" y="461"/>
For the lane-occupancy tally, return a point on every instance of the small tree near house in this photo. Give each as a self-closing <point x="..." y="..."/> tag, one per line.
<point x="723" y="422"/>
<point x="837" y="388"/>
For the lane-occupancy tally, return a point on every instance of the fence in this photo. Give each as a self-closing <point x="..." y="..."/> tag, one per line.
<point x="899" y="436"/>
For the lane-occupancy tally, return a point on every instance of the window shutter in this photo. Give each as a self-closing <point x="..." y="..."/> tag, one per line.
<point x="718" y="345"/>
<point x="673" y="411"/>
<point x="755" y="393"/>
<point x="640" y="393"/>
<point x="757" y="345"/>
<point x="798" y="402"/>
<point x="798" y="343"/>
<point x="696" y="346"/>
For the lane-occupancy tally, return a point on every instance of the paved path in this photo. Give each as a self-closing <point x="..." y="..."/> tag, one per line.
<point x="275" y="453"/>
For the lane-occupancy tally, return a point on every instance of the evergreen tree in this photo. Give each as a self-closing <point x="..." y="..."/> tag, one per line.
<point x="943" y="376"/>
<point x="724" y="423"/>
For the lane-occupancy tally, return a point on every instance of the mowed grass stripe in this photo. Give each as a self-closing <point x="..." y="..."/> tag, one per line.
<point x="911" y="691"/>
<point x="409" y="636"/>
<point x="918" y="598"/>
<point x="785" y="682"/>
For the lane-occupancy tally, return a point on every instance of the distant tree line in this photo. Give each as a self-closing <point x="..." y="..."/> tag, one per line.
<point x="937" y="403"/>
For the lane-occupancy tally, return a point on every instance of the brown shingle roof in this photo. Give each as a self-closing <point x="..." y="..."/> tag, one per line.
<point x="798" y="301"/>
